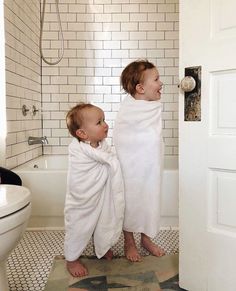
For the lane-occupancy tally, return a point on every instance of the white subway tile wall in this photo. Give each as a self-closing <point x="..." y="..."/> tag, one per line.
<point x="23" y="79"/>
<point x="100" y="38"/>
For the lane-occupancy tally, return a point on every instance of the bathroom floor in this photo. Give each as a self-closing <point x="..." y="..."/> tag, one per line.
<point x="29" y="265"/>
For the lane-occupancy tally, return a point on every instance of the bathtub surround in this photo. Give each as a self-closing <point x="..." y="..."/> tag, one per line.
<point x="23" y="79"/>
<point x="100" y="38"/>
<point x="3" y="128"/>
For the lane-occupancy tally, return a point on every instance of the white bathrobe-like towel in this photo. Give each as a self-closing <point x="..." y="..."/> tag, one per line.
<point x="139" y="146"/>
<point x="94" y="200"/>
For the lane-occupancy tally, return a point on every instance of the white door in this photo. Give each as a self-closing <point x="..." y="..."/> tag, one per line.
<point x="207" y="156"/>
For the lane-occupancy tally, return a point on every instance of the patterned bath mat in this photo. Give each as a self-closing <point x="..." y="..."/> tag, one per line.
<point x="119" y="274"/>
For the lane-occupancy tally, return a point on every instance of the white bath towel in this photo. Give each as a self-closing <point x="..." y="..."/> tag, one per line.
<point x="94" y="200"/>
<point x="139" y="145"/>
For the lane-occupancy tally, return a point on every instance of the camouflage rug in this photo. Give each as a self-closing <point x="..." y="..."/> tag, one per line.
<point x="119" y="274"/>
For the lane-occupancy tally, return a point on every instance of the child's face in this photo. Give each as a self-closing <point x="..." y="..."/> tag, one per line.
<point x="94" y="126"/>
<point x="151" y="85"/>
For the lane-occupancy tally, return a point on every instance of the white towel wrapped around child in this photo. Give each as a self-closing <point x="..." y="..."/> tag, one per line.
<point x="139" y="146"/>
<point x="94" y="200"/>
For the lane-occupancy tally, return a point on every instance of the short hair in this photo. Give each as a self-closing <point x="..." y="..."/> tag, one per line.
<point x="132" y="75"/>
<point x="74" y="117"/>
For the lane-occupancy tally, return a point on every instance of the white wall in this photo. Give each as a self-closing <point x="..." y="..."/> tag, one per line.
<point x="2" y="90"/>
<point x="23" y="78"/>
<point x="101" y="37"/>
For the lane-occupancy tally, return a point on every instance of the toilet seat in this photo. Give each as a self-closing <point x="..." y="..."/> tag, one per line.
<point x="12" y="199"/>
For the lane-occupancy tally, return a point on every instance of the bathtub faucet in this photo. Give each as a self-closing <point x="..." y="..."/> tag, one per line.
<point x="37" y="140"/>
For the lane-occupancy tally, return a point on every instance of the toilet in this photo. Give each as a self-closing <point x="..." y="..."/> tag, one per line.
<point x="15" y="209"/>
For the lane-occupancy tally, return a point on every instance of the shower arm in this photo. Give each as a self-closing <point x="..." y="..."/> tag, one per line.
<point x="41" y="35"/>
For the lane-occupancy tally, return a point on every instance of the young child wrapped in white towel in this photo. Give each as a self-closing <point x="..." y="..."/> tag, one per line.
<point x="139" y="146"/>
<point x="94" y="205"/>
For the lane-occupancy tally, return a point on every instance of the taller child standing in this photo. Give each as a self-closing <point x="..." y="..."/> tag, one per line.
<point x="138" y="142"/>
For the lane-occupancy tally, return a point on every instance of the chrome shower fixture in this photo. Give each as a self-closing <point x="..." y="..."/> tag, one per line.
<point x="37" y="140"/>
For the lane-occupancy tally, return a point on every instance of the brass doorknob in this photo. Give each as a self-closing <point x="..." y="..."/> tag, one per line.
<point x="187" y="84"/>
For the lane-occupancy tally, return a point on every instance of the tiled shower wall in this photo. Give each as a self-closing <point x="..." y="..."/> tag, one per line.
<point x="101" y="37"/>
<point x="23" y="79"/>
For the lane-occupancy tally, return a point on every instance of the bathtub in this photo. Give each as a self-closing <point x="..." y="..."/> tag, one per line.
<point x="46" y="178"/>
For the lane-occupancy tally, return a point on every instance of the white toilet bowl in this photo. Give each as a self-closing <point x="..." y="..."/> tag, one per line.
<point x="15" y="208"/>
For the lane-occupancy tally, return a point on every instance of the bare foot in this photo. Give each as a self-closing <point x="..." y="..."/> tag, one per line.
<point x="76" y="269"/>
<point x="108" y="255"/>
<point x="131" y="251"/>
<point x="152" y="248"/>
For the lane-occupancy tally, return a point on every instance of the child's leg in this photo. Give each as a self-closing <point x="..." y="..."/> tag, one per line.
<point x="152" y="248"/>
<point x="131" y="251"/>
<point x="76" y="268"/>
<point x="108" y="255"/>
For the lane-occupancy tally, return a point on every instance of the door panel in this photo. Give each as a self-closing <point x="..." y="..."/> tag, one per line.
<point x="207" y="148"/>
<point x="221" y="211"/>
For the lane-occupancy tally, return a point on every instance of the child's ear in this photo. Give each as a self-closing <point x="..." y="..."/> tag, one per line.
<point x="81" y="134"/>
<point x="139" y="88"/>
